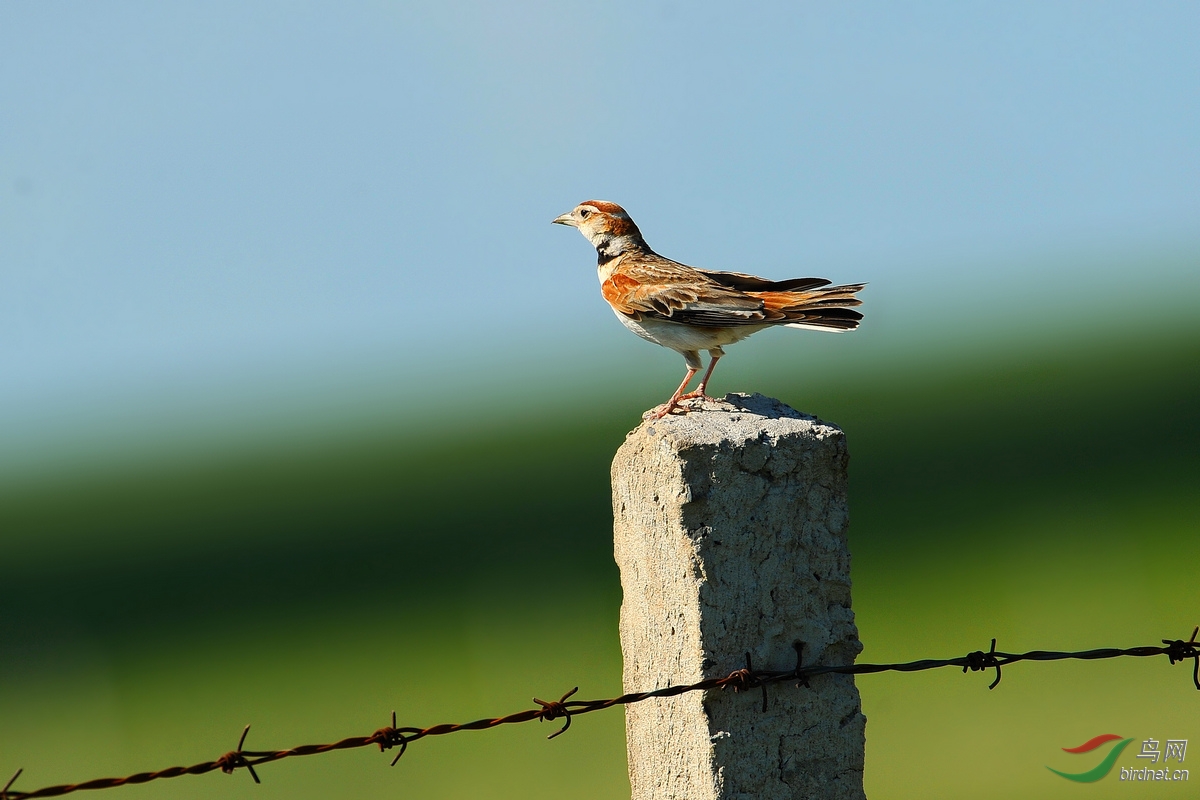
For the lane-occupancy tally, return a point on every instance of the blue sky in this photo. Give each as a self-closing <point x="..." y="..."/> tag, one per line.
<point x="201" y="194"/>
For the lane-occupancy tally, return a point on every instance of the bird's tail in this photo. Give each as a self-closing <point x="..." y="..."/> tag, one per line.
<point x="828" y="308"/>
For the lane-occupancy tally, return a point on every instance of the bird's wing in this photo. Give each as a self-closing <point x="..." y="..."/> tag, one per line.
<point x="662" y="289"/>
<point x="752" y="283"/>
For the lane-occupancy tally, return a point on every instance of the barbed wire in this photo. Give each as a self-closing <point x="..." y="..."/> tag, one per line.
<point x="744" y="679"/>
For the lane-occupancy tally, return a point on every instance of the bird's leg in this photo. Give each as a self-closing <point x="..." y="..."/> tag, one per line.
<point x="669" y="406"/>
<point x="714" y="356"/>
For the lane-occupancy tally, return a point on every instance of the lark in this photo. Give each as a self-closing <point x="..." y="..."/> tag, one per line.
<point x="689" y="309"/>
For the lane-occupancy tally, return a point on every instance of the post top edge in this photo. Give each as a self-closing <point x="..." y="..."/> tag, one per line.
<point x="737" y="415"/>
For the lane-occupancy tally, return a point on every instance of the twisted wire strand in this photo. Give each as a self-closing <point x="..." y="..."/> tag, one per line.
<point x="744" y="679"/>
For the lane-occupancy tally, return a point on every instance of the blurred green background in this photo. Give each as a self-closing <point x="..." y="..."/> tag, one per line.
<point x="306" y="410"/>
<point x="1045" y="497"/>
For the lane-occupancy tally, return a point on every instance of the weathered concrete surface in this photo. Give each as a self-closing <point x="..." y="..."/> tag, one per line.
<point x="730" y="532"/>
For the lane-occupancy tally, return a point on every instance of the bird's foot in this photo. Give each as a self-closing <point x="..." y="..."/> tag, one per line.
<point x="658" y="412"/>
<point x="682" y="405"/>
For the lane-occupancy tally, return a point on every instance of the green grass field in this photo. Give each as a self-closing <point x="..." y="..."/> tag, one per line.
<point x="1048" y="500"/>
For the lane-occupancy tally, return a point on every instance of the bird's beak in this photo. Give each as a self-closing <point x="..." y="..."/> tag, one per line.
<point x="565" y="219"/>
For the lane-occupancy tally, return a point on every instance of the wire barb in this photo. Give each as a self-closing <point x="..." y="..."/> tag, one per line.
<point x="385" y="737"/>
<point x="801" y="678"/>
<point x="555" y="709"/>
<point x="390" y="736"/>
<point x="979" y="661"/>
<point x="761" y="683"/>
<point x="11" y="781"/>
<point x="1179" y="650"/>
<point x="236" y="758"/>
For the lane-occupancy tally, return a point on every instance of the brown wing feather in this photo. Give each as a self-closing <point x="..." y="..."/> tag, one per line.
<point x="656" y="287"/>
<point x="664" y="289"/>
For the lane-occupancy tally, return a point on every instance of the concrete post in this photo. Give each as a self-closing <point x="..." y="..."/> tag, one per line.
<point x="730" y="532"/>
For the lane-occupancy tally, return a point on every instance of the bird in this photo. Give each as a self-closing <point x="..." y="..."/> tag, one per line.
<point x="688" y="309"/>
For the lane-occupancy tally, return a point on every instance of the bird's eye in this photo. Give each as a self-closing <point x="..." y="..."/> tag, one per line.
<point x="583" y="213"/>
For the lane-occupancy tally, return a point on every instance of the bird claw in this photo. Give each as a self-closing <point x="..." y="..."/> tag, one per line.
<point x="682" y="404"/>
<point x="658" y="412"/>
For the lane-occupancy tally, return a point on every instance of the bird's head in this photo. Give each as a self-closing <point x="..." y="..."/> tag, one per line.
<point x="607" y="227"/>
